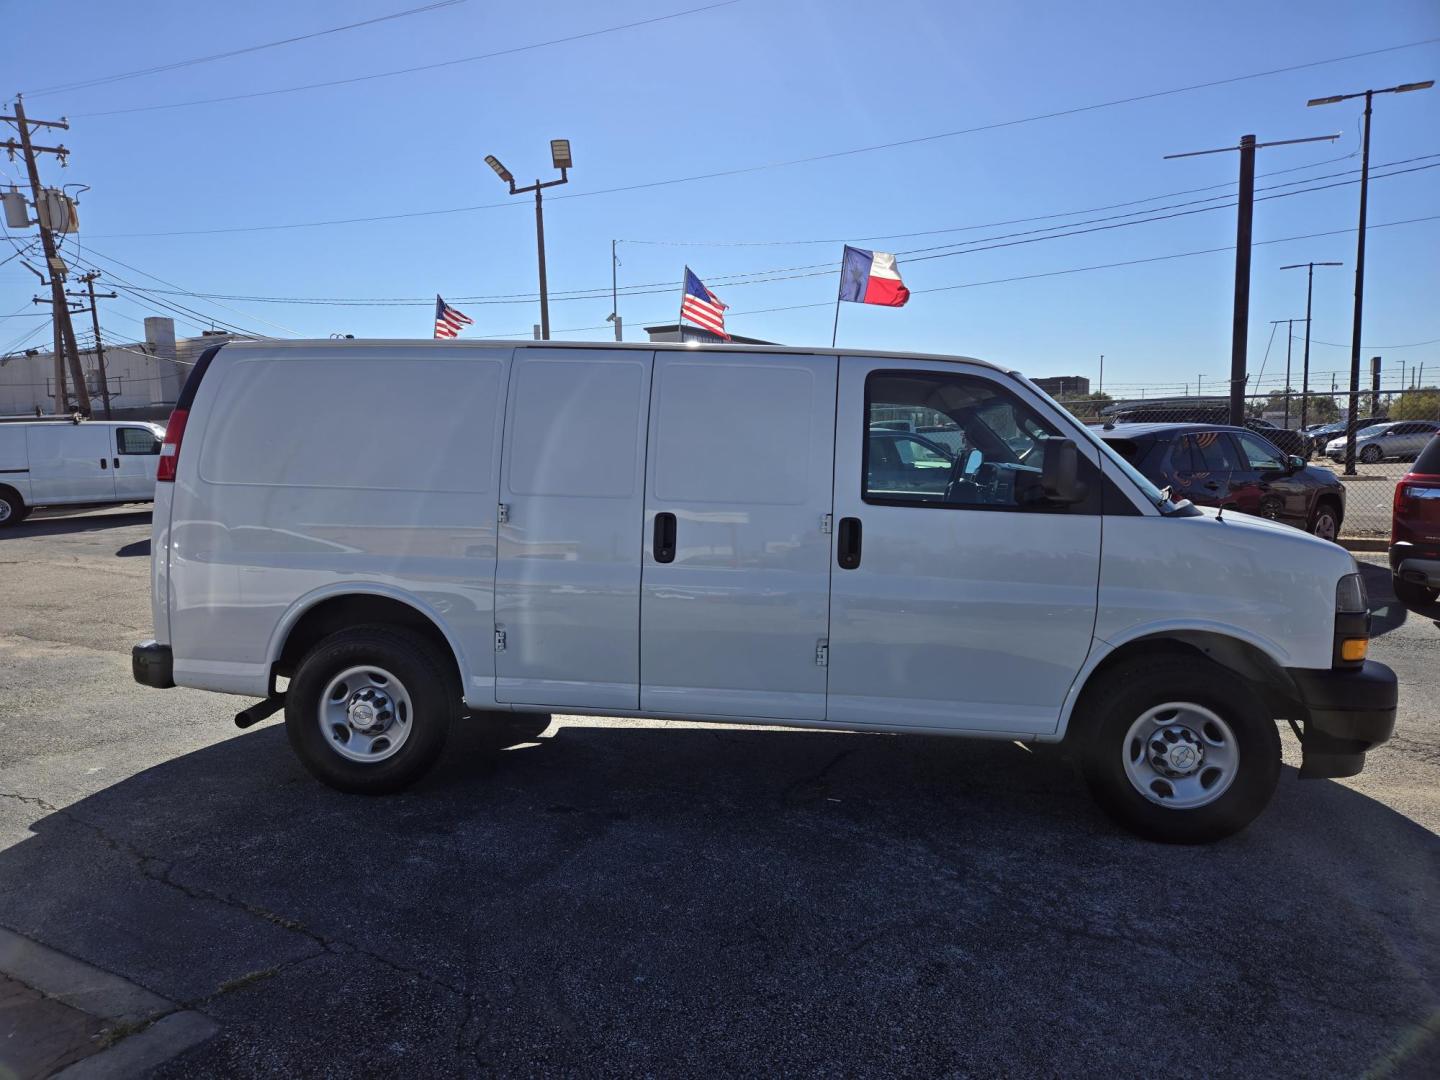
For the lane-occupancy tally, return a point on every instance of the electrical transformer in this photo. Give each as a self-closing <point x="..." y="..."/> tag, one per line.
<point x="57" y="211"/>
<point x="17" y="211"/>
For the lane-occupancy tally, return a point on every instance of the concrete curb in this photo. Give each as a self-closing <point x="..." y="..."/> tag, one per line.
<point x="137" y="1054"/>
<point x="161" y="1031"/>
<point x="1364" y="543"/>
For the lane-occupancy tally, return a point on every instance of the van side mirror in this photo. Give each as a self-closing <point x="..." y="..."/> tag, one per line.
<point x="1060" y="472"/>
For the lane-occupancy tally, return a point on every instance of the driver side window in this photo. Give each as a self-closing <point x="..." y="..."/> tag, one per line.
<point x="957" y="441"/>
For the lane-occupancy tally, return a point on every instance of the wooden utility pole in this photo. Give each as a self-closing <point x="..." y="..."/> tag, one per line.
<point x="1240" y="321"/>
<point x="89" y="280"/>
<point x="60" y="309"/>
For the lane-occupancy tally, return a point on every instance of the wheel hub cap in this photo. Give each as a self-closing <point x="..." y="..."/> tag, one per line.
<point x="1181" y="755"/>
<point x="369" y="710"/>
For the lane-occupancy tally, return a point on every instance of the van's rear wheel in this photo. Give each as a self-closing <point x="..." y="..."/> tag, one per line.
<point x="369" y="709"/>
<point x="1178" y="750"/>
<point x="12" y="508"/>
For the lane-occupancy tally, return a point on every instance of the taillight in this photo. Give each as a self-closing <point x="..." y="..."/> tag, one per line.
<point x="170" y="448"/>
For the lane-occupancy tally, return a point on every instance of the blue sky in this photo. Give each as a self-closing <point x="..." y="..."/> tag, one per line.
<point x="750" y="83"/>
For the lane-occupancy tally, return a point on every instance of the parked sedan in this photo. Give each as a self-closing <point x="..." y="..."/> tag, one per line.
<point x="1320" y="435"/>
<point x="1401" y="441"/>
<point x="1234" y="469"/>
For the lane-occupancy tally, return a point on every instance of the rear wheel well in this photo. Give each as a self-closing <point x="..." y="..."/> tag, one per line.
<point x="12" y="494"/>
<point x="1267" y="679"/>
<point x="352" y="610"/>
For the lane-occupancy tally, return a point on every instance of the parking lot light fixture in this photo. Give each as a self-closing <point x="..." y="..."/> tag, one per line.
<point x="1369" y="96"/>
<point x="561" y="159"/>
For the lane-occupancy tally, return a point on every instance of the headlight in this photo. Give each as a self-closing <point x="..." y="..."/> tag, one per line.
<point x="1350" y="597"/>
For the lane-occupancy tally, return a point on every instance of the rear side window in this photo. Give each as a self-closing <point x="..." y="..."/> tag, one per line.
<point x="1213" y="452"/>
<point x="1429" y="460"/>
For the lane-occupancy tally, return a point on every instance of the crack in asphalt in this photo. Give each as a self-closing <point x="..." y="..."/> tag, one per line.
<point x="153" y="868"/>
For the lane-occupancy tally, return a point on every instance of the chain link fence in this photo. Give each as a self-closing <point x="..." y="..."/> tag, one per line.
<point x="1389" y="431"/>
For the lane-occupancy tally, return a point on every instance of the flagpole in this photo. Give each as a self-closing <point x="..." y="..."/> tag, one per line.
<point x="680" y="318"/>
<point x="834" y="330"/>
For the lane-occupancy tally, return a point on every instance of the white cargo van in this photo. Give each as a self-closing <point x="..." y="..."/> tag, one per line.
<point x="59" y="462"/>
<point x="409" y="532"/>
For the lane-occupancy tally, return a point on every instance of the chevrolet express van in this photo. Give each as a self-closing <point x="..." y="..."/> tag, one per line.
<point x="68" y="462"/>
<point x="382" y="537"/>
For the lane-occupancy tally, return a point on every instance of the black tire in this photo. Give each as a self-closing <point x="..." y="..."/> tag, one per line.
<point x="12" y="508"/>
<point x="1416" y="597"/>
<point x="427" y="676"/>
<point x="1370" y="454"/>
<point x="1124" y="693"/>
<point x="1325" y="521"/>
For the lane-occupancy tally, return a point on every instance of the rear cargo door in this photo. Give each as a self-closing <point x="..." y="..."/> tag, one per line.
<point x="567" y="584"/>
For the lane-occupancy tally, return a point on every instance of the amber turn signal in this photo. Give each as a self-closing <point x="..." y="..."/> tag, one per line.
<point x="1354" y="648"/>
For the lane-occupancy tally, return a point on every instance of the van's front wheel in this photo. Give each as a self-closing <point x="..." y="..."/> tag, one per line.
<point x="369" y="709"/>
<point x="1177" y="750"/>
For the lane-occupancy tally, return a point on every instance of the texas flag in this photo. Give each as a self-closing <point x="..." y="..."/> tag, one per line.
<point x="871" y="277"/>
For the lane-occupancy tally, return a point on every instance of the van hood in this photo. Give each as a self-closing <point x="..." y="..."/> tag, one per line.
<point x="1263" y="531"/>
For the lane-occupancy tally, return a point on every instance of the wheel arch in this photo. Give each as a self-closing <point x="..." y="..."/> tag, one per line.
<point x="317" y="615"/>
<point x="1261" y="668"/>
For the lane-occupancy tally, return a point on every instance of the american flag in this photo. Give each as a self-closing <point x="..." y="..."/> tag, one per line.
<point x="701" y="307"/>
<point x="448" y="321"/>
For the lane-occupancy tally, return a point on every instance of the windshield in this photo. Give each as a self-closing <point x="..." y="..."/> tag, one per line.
<point x="1371" y="432"/>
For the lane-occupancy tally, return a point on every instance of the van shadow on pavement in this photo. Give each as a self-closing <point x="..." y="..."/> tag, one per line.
<point x="43" y="523"/>
<point x="671" y="900"/>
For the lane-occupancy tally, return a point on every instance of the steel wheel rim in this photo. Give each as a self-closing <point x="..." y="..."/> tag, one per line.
<point x="365" y="714"/>
<point x="1180" y="755"/>
<point x="5" y="510"/>
<point x="1325" y="527"/>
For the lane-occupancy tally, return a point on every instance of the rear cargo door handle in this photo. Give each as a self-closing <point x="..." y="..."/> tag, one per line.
<point x="116" y="461"/>
<point x="664" y="546"/>
<point x="848" y="542"/>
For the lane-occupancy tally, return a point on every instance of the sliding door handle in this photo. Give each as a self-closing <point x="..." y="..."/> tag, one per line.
<point x="848" y="543"/>
<point x="664" y="545"/>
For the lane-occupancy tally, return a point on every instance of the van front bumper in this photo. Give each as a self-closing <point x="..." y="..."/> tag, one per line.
<point x="153" y="664"/>
<point x="1348" y="711"/>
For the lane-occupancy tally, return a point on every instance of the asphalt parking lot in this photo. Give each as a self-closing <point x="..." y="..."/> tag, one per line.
<point x="634" y="897"/>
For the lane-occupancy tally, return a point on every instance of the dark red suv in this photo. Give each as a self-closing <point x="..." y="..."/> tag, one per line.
<point x="1415" y="531"/>
<point x="1234" y="469"/>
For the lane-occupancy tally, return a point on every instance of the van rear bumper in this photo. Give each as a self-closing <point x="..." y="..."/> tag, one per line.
<point x="153" y="664"/>
<point x="1349" y="711"/>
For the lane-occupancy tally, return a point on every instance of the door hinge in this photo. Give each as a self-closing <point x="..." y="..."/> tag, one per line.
<point x="499" y="640"/>
<point x="822" y="653"/>
<point x="827" y="523"/>
<point x="502" y="513"/>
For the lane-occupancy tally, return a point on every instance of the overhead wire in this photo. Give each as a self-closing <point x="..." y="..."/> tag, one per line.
<point x="105" y="80"/>
<point x="414" y="69"/>
<point x="832" y="155"/>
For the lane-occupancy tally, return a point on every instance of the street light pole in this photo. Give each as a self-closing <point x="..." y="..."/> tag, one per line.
<point x="1309" y="293"/>
<point x="1244" y="218"/>
<point x="1369" y="96"/>
<point x="561" y="159"/>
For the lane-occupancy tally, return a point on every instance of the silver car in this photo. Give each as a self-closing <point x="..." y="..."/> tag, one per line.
<point x="1401" y="439"/>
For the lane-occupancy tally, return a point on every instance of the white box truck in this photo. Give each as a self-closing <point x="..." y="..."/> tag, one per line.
<point x="67" y="462"/>
<point x="406" y="533"/>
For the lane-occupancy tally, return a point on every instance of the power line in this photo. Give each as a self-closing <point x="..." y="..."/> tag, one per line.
<point x="104" y="80"/>
<point x="828" y="303"/>
<point x="779" y="164"/>
<point x="417" y="68"/>
<point x="788" y="273"/>
<point x="1381" y="348"/>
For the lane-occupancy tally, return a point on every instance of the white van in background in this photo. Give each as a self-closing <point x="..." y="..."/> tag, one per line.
<point x="55" y="462"/>
<point x="407" y="531"/>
